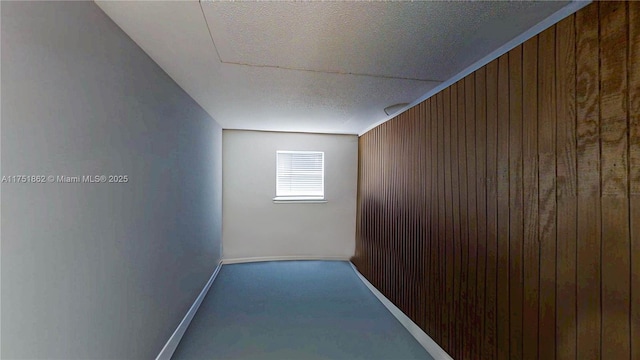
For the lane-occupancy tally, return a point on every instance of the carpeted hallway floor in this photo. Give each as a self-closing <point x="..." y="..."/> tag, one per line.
<point x="294" y="310"/>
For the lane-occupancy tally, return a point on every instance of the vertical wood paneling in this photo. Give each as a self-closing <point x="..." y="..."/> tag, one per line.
<point x="422" y="217"/>
<point x="531" y="256"/>
<point x="425" y="270"/>
<point x="503" y="208"/>
<point x="490" y="342"/>
<point x="547" y="192"/>
<point x="464" y="236"/>
<point x="566" y="217"/>
<point x="429" y="259"/>
<point x="469" y="91"/>
<point x="634" y="172"/>
<point x="615" y="206"/>
<point x="588" y="156"/>
<point x="438" y="168"/>
<point x="442" y="220"/>
<point x="481" y="203"/>
<point x="455" y="185"/>
<point x="448" y="201"/>
<point x="503" y="214"/>
<point x="516" y="221"/>
<point x="434" y="216"/>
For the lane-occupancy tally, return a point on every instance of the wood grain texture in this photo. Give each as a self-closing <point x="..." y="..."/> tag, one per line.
<point x="422" y="218"/>
<point x="455" y="185"/>
<point x="490" y="342"/>
<point x="615" y="206"/>
<point x="433" y="208"/>
<point x="448" y="201"/>
<point x="531" y="249"/>
<point x="634" y="97"/>
<point x="469" y="91"/>
<point x="634" y="172"/>
<point x="503" y="208"/>
<point x="442" y="223"/>
<point x="503" y="214"/>
<point x="464" y="222"/>
<point x="547" y="192"/>
<point x="481" y="203"/>
<point x="566" y="196"/>
<point x="588" y="157"/>
<point x="516" y="221"/>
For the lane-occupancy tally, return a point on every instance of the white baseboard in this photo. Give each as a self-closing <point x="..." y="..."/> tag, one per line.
<point x="284" y="258"/>
<point x="174" y="340"/>
<point x="427" y="343"/>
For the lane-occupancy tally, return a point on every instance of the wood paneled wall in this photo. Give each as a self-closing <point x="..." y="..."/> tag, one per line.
<point x="503" y="214"/>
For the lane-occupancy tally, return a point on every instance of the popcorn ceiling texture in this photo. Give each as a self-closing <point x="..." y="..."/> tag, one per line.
<point x="414" y="40"/>
<point x="317" y="66"/>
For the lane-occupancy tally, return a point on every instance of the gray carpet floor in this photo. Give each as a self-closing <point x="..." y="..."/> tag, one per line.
<point x="294" y="310"/>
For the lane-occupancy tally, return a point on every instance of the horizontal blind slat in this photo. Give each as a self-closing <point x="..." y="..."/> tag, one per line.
<point x="300" y="173"/>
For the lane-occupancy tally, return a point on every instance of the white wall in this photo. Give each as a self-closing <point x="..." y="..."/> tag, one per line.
<point x="99" y="271"/>
<point x="254" y="226"/>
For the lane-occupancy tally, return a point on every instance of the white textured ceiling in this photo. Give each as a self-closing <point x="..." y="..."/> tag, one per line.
<point x="317" y="66"/>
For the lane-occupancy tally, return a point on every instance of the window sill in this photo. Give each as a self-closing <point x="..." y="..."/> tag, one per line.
<point x="299" y="200"/>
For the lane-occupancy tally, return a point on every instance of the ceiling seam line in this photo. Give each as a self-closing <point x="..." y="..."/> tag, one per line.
<point x="209" y="31"/>
<point x="297" y="69"/>
<point x="328" y="72"/>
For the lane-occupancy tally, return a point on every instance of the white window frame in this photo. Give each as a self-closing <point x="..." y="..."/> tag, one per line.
<point x="299" y="198"/>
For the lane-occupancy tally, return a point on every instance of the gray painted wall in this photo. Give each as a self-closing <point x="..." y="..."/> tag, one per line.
<point x="99" y="270"/>
<point x="256" y="227"/>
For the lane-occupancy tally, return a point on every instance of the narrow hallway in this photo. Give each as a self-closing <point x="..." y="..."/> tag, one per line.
<point x="294" y="310"/>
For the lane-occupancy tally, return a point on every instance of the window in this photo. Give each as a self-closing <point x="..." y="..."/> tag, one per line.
<point x="299" y="175"/>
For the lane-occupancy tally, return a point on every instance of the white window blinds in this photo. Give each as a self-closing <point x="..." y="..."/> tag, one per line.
<point x="300" y="174"/>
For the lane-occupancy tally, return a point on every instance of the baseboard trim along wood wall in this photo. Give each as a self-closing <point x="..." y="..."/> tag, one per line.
<point x="427" y="343"/>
